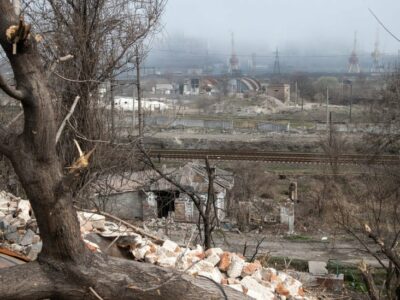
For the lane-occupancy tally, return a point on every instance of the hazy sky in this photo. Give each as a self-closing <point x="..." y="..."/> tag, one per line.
<point x="308" y="25"/>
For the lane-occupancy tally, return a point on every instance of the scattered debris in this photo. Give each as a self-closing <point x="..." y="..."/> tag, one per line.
<point x="19" y="233"/>
<point x="226" y="268"/>
<point x="332" y="282"/>
<point x="20" y="237"/>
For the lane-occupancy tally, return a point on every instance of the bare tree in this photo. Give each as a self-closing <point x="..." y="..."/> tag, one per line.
<point x="368" y="207"/>
<point x="369" y="211"/>
<point x="65" y="268"/>
<point x="100" y="36"/>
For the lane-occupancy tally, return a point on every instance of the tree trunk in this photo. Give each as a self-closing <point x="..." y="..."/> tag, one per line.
<point x="111" y="278"/>
<point x="207" y="235"/>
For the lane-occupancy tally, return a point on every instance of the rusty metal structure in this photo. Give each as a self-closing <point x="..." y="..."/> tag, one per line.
<point x="234" y="60"/>
<point x="277" y="66"/>
<point x="354" y="65"/>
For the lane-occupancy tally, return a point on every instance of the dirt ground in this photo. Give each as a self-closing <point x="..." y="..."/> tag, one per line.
<point x="346" y="252"/>
<point x="311" y="247"/>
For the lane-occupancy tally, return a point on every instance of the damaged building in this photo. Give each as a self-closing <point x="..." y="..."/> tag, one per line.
<point x="146" y="195"/>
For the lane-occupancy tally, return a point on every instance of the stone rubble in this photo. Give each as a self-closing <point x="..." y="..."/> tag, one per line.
<point x="19" y="233"/>
<point x="18" y="228"/>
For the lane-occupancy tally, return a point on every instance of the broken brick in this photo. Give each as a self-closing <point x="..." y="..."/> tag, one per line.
<point x="225" y="261"/>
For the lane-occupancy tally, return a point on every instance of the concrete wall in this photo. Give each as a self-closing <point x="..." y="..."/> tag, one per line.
<point x="271" y="127"/>
<point x="129" y="205"/>
<point x="279" y="91"/>
<point x="139" y="205"/>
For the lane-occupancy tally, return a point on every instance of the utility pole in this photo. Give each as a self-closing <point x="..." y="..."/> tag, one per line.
<point x="112" y="110"/>
<point x="330" y="129"/>
<point x="139" y="94"/>
<point x="351" y="101"/>
<point x="297" y="94"/>
<point x="327" y="108"/>
<point x="133" y="106"/>
<point x="277" y="66"/>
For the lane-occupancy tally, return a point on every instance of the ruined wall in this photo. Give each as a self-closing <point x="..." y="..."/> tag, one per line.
<point x="126" y="206"/>
<point x="279" y="91"/>
<point x="129" y="205"/>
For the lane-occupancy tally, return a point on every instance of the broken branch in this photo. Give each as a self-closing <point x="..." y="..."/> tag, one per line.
<point x="54" y="64"/>
<point x="387" y="250"/>
<point x="136" y="229"/>
<point x="65" y="58"/>
<point x="15" y="119"/>
<point x="67" y="117"/>
<point x="369" y="281"/>
<point x="95" y="293"/>
<point x="17" y="7"/>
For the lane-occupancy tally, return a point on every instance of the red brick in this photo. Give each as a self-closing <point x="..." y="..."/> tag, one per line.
<point x="225" y="261"/>
<point x="251" y="268"/>
<point x="281" y="290"/>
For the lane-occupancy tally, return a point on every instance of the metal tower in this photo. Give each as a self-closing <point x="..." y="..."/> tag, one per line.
<point x="253" y="64"/>
<point x="277" y="66"/>
<point x="233" y="61"/>
<point x="377" y="66"/>
<point x="354" y="66"/>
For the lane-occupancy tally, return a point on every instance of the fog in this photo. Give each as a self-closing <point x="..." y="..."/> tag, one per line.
<point x="295" y="26"/>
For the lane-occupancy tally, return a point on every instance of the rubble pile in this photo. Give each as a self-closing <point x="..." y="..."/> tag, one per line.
<point x="18" y="227"/>
<point x="19" y="232"/>
<point x="162" y="226"/>
<point x="222" y="267"/>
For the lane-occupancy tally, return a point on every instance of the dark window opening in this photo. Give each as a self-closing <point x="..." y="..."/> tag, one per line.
<point x="166" y="202"/>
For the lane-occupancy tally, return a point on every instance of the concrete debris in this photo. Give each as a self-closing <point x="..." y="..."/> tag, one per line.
<point x="213" y="259"/>
<point x="92" y="220"/>
<point x="226" y="268"/>
<point x="170" y="246"/>
<point x="92" y="246"/>
<point x="24" y="210"/>
<point x="18" y="228"/>
<point x="332" y="282"/>
<point x="256" y="290"/>
<point x="161" y="227"/>
<point x="28" y="238"/>
<point x="317" y="267"/>
<point x="236" y="266"/>
<point x="20" y="234"/>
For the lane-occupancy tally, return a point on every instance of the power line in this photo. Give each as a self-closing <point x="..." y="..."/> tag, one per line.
<point x="249" y="55"/>
<point x="383" y="25"/>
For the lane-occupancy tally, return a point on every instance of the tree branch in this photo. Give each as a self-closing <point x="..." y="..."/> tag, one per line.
<point x="369" y="281"/>
<point x="13" y="93"/>
<point x="136" y="229"/>
<point x="387" y="250"/>
<point x="67" y="117"/>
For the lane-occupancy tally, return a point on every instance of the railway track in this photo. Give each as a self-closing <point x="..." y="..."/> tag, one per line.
<point x="279" y="157"/>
